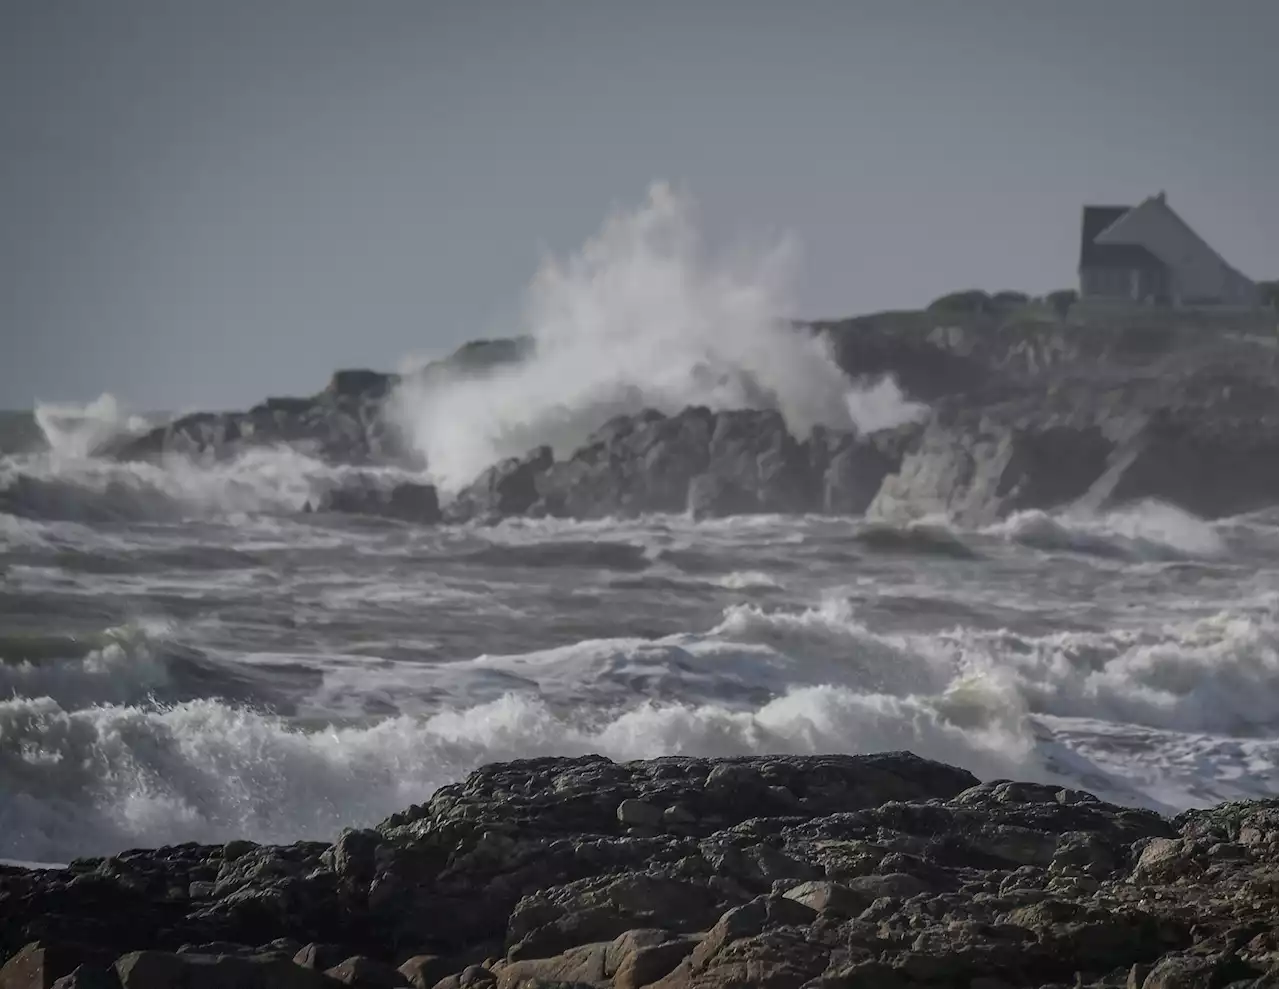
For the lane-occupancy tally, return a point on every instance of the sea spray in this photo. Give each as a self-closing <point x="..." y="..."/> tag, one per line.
<point x="72" y="430"/>
<point x="643" y="316"/>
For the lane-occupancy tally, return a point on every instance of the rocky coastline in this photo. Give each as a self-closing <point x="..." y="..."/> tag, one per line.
<point x="1016" y="415"/>
<point x="817" y="871"/>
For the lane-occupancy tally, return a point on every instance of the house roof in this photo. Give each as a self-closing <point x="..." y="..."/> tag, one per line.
<point x="1094" y="255"/>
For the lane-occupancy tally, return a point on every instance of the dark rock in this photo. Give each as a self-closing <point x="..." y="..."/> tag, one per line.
<point x="365" y="973"/>
<point x="362" y="383"/>
<point x="89" y="977"/>
<point x="405" y="502"/>
<point x="853" y="475"/>
<point x="712" y="496"/>
<point x="424" y="971"/>
<point x="160" y="970"/>
<point x="780" y="871"/>
<point x="320" y="957"/>
<point x="40" y="963"/>
<point x="507" y="488"/>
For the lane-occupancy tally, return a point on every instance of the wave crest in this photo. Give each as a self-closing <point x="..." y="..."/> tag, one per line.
<point x="640" y="318"/>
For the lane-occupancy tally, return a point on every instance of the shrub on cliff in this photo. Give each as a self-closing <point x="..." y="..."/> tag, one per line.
<point x="968" y="302"/>
<point x="1062" y="300"/>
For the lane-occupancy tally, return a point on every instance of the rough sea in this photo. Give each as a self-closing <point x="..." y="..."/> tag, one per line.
<point x="185" y="656"/>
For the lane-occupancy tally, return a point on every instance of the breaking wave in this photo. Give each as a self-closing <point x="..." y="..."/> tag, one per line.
<point x="1149" y="530"/>
<point x="641" y="317"/>
<point x="72" y="430"/>
<point x="91" y="490"/>
<point x="78" y="777"/>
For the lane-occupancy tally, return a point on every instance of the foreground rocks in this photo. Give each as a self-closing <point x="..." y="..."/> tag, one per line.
<point x="835" y="871"/>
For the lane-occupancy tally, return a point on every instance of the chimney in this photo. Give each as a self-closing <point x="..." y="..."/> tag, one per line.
<point x="1160" y="196"/>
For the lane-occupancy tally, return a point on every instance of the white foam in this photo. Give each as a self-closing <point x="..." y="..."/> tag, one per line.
<point x="881" y="404"/>
<point x="641" y="317"/>
<point x="76" y="431"/>
<point x="1216" y="674"/>
<point x="128" y="664"/>
<point x="1148" y="530"/>
<point x="745" y="580"/>
<point x="105" y="778"/>
<point x="262" y="479"/>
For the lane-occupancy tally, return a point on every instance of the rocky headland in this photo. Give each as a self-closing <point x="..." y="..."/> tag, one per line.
<point x="1022" y="413"/>
<point x="821" y="871"/>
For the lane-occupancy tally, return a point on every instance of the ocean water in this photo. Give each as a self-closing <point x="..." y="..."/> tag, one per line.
<point x="186" y="655"/>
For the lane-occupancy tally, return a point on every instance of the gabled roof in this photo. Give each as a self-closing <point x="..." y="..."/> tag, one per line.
<point x="1094" y="255"/>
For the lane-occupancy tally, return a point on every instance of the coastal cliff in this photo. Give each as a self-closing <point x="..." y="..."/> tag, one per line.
<point x="1007" y="413"/>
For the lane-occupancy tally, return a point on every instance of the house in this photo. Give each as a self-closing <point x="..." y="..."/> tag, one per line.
<point x="1148" y="254"/>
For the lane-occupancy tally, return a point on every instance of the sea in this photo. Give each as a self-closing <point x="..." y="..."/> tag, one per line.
<point x="188" y="655"/>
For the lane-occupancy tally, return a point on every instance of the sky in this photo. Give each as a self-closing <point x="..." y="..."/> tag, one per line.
<point x="202" y="204"/>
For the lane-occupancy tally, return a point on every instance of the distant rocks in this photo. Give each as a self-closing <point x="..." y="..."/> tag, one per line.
<point x="344" y="424"/>
<point x="1025" y="412"/>
<point x="406" y="501"/>
<point x="709" y="464"/>
<point x="677" y="872"/>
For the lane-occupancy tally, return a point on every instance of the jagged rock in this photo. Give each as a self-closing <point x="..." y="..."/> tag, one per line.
<point x="708" y="464"/>
<point x="40" y="963"/>
<point x="406" y="501"/>
<point x="854" y="473"/>
<point x="507" y="488"/>
<point x="830" y="897"/>
<point x="366" y="973"/>
<point x="161" y="970"/>
<point x="320" y="956"/>
<point x="361" y="383"/>
<point x="637" y="813"/>
<point x="424" y="971"/>
<point x="87" y="977"/>
<point x="979" y="472"/>
<point x="884" y="869"/>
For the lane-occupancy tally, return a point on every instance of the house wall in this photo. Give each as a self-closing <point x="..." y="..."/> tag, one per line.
<point x="1199" y="273"/>
<point x="1106" y="283"/>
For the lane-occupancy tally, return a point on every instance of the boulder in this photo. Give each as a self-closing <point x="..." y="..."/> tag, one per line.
<point x="39" y="964"/>
<point x="406" y="501"/>
<point x="161" y="970"/>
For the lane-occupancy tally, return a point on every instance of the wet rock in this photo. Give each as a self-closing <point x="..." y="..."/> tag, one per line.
<point x="40" y="963"/>
<point x="882" y="870"/>
<point x="366" y="973"/>
<point x="161" y="970"/>
<point x="88" y="977"/>
<point x="830" y="897"/>
<point x="507" y="488"/>
<point x="1163" y="858"/>
<point x="424" y="971"/>
<point x="637" y="813"/>
<point x="320" y="956"/>
<point x="649" y="963"/>
<point x="406" y="501"/>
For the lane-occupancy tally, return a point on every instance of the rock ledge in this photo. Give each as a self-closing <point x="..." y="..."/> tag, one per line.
<point x="821" y="871"/>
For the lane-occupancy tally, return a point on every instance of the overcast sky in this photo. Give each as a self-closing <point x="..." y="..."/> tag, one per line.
<point x="202" y="203"/>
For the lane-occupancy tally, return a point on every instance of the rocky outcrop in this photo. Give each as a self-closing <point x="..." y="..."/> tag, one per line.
<point x="1024" y="413"/>
<point x="780" y="871"/>
<point x="344" y="424"/>
<point x="405" y="501"/>
<point x="703" y="462"/>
